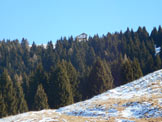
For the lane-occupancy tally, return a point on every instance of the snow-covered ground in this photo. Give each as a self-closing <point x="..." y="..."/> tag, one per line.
<point x="157" y="50"/>
<point x="133" y="100"/>
<point x="140" y="100"/>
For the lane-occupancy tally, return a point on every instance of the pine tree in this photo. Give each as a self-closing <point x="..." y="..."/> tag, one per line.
<point x="137" y="72"/>
<point x="159" y="36"/>
<point x="109" y="74"/>
<point x="100" y="79"/>
<point x="126" y="71"/>
<point x="40" y="99"/>
<point x="149" y="64"/>
<point x="41" y="77"/>
<point x="154" y="36"/>
<point x="26" y="88"/>
<point x="51" y="91"/>
<point x="3" y="111"/>
<point x="8" y="92"/>
<point x="116" y="71"/>
<point x="157" y="62"/>
<point x="160" y="54"/>
<point x="90" y="56"/>
<point x="60" y="93"/>
<point x="37" y="77"/>
<point x="20" y="100"/>
<point x="25" y="44"/>
<point x="73" y="78"/>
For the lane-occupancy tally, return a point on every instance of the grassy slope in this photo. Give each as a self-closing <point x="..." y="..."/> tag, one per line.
<point x="139" y="101"/>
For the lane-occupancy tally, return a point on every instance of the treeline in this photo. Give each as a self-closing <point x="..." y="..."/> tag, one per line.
<point x="37" y="77"/>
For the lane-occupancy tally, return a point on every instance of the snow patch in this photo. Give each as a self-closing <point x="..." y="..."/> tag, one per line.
<point x="141" y="110"/>
<point x="48" y="119"/>
<point x="145" y="87"/>
<point x="157" y="50"/>
<point x="119" y="102"/>
<point x="123" y="120"/>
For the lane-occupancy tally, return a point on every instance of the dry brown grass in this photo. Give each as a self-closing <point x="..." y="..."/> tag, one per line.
<point x="109" y="103"/>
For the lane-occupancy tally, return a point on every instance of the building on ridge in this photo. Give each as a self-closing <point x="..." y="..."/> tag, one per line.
<point x="82" y="37"/>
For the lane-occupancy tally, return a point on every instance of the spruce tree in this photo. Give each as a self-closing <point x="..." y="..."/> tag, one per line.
<point x="90" y="56"/>
<point x="149" y="64"/>
<point x="160" y="54"/>
<point x="137" y="72"/>
<point x="73" y="78"/>
<point x="26" y="88"/>
<point x="159" y="36"/>
<point x="100" y="79"/>
<point x="37" y="77"/>
<point x="3" y="111"/>
<point x="154" y="36"/>
<point x="8" y="93"/>
<point x="51" y="92"/>
<point x="60" y="93"/>
<point x="126" y="71"/>
<point x="40" y="99"/>
<point x="157" y="62"/>
<point x="20" y="100"/>
<point x="116" y="71"/>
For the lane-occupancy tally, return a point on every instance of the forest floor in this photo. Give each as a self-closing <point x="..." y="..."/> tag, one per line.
<point x="138" y="101"/>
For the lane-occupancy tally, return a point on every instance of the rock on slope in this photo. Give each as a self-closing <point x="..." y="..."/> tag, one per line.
<point x="138" y="101"/>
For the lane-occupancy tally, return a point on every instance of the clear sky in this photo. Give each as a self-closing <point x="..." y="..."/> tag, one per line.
<point x="45" y="20"/>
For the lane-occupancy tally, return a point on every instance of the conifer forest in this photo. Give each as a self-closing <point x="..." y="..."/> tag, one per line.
<point x="35" y="77"/>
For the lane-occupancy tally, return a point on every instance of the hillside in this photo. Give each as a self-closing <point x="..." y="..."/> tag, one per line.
<point x="90" y="67"/>
<point x="138" y="101"/>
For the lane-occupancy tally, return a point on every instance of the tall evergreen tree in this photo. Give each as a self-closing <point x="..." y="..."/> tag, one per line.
<point x="37" y="77"/>
<point x="100" y="79"/>
<point x="8" y="93"/>
<point x="116" y="71"/>
<point x="73" y="78"/>
<point x="3" y="111"/>
<point x="160" y="36"/>
<point x="137" y="72"/>
<point x="126" y="71"/>
<point x="149" y="64"/>
<point x="26" y="87"/>
<point x="154" y="36"/>
<point x="60" y="93"/>
<point x="157" y="62"/>
<point x="20" y="100"/>
<point x="160" y="54"/>
<point x="40" y="99"/>
<point x="90" y="57"/>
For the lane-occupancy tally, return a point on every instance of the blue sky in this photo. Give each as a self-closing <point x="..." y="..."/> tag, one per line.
<point x="45" y="20"/>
